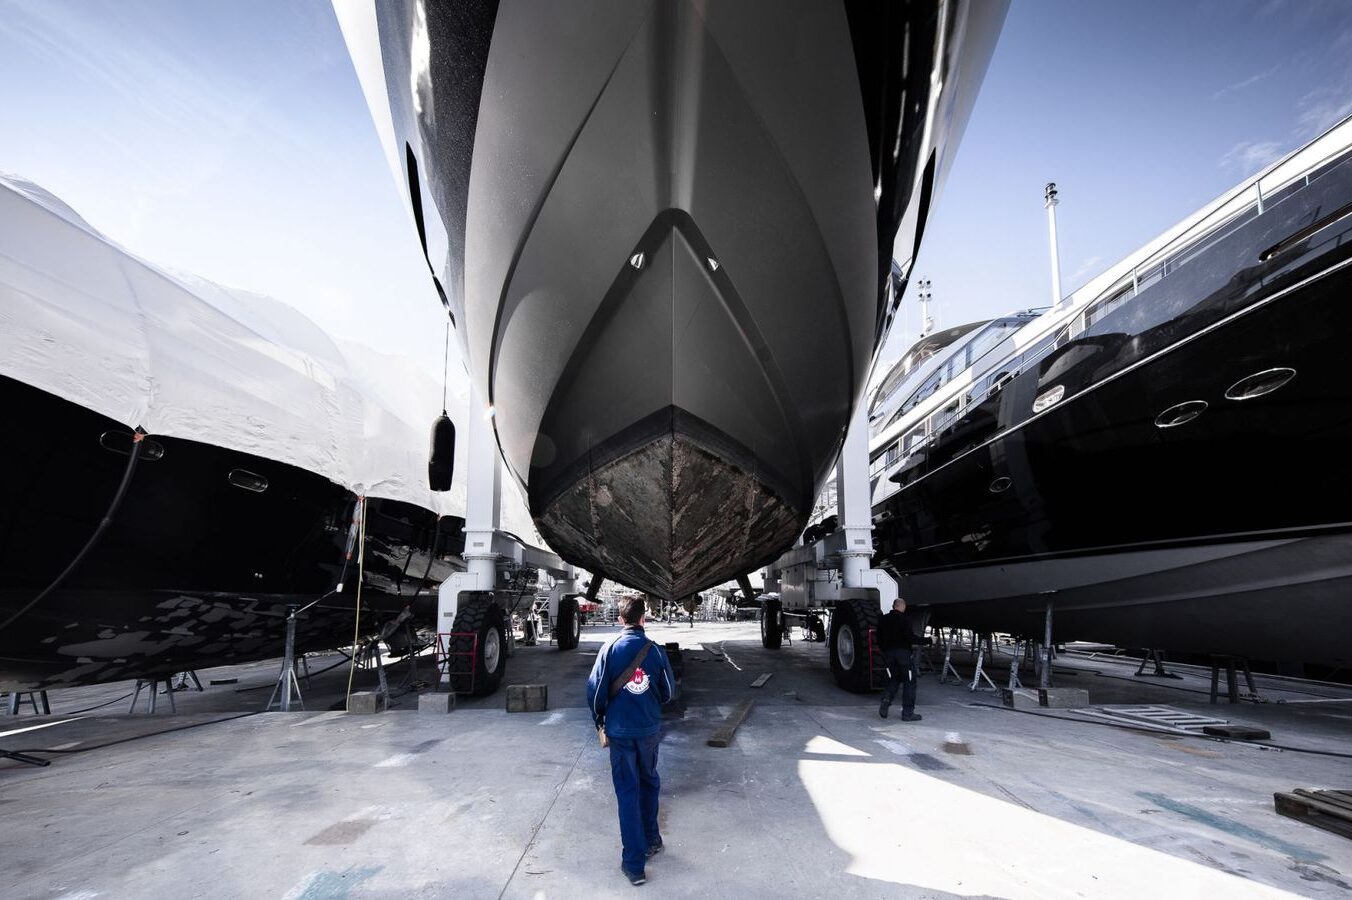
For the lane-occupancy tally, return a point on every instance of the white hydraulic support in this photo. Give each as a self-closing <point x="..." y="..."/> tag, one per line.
<point x="483" y="507"/>
<point x="486" y="545"/>
<point x="811" y="575"/>
<point x="563" y="586"/>
<point x="853" y="508"/>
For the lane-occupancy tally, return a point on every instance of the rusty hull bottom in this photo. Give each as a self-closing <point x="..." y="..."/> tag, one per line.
<point x="669" y="518"/>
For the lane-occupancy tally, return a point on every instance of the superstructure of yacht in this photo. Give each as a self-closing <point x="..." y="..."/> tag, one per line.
<point x="1161" y="455"/>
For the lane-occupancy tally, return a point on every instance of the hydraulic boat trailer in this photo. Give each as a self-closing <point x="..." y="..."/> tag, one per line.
<point x="831" y="576"/>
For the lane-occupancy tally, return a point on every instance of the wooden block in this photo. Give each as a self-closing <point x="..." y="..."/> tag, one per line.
<point x="1240" y="732"/>
<point x="436" y="702"/>
<point x="1063" y="698"/>
<point x="1305" y="806"/>
<point x="527" y="697"/>
<point x="723" y="736"/>
<point x="1021" y="698"/>
<point x="365" y="703"/>
<point x="760" y="682"/>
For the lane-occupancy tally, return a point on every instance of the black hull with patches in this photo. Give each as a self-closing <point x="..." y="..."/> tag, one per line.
<point x="194" y="569"/>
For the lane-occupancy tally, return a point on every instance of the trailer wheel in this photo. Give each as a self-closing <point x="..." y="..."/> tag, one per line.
<point x="483" y="618"/>
<point x="568" y="628"/>
<point x="772" y="624"/>
<point x="850" y="657"/>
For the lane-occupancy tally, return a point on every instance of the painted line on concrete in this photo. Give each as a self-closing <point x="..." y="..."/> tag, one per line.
<point x="322" y="717"/>
<point x="723" y="649"/>
<point x="43" y="725"/>
<point x="1230" y="826"/>
<point x="896" y="747"/>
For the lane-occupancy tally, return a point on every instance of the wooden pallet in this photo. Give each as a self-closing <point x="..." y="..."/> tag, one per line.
<point x="1329" y="810"/>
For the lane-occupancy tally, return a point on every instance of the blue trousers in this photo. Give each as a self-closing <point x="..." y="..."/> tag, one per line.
<point x="633" y="768"/>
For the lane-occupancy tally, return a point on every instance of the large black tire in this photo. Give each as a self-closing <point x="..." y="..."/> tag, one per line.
<point x="772" y="624"/>
<point x="484" y="618"/>
<point x="850" y="658"/>
<point x="568" y="626"/>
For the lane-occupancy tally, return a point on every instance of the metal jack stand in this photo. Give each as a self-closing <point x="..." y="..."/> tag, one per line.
<point x="1157" y="657"/>
<point x="380" y="671"/>
<point x="1231" y="681"/>
<point x="984" y="646"/>
<point x="370" y="656"/>
<point x="16" y="698"/>
<point x="948" y="669"/>
<point x="286" y="680"/>
<point x="153" y="683"/>
<point x="1015" y="661"/>
<point x="1044" y="679"/>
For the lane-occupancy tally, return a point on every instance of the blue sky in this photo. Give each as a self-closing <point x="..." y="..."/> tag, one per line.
<point x="227" y="139"/>
<point x="230" y="139"/>
<point x="1141" y="112"/>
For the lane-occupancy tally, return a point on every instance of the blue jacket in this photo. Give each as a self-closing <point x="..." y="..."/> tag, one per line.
<point x="636" y="711"/>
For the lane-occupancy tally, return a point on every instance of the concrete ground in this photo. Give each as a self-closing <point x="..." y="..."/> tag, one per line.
<point x="817" y="796"/>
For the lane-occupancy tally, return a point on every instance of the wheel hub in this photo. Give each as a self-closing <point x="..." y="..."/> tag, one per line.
<point x="845" y="647"/>
<point x="492" y="649"/>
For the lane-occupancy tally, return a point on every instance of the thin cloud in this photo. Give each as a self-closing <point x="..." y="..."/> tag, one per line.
<point x="1084" y="269"/>
<point x="1247" y="157"/>
<point x="1321" y="108"/>
<point x="1247" y="82"/>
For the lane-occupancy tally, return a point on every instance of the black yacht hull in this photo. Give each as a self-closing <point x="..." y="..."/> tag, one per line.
<point x="203" y="556"/>
<point x="665" y="230"/>
<point x="1229" y="532"/>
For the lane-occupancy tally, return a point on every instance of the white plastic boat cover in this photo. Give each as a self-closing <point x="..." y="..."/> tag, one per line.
<point x="84" y="319"/>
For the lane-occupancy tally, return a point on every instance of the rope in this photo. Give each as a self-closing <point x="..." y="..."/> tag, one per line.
<point x="445" y="366"/>
<point x="136" y="443"/>
<point x="356" y="625"/>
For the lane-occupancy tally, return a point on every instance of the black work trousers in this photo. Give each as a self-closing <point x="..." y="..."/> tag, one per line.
<point x="901" y="665"/>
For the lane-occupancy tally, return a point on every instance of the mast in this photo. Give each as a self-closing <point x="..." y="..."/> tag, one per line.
<point x="1050" y="201"/>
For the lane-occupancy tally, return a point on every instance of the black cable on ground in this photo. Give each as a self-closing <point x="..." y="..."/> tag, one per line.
<point x="137" y="737"/>
<point x="137" y="441"/>
<point x="100" y="706"/>
<point x="1146" y="729"/>
<point x="307" y="676"/>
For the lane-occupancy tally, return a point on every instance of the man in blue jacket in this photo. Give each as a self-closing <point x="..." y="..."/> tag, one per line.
<point x="630" y="681"/>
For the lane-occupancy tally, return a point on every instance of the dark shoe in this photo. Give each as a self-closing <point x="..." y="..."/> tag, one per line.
<point x="882" y="708"/>
<point x="911" y="717"/>
<point x="634" y="879"/>
<point x="655" y="849"/>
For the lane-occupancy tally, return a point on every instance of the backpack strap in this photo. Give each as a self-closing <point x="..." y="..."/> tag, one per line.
<point x="618" y="684"/>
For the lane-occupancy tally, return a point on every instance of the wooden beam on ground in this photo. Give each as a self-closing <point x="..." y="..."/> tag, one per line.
<point x="723" y="736"/>
<point x="760" y="682"/>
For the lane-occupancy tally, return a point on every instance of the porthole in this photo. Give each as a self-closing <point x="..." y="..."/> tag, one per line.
<point x="249" y="481"/>
<point x="1049" y="398"/>
<point x="1001" y="484"/>
<point x="120" y="442"/>
<point x="1259" y="383"/>
<point x="1180" y="414"/>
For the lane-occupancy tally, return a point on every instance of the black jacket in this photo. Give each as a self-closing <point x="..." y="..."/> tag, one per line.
<point x="897" y="631"/>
